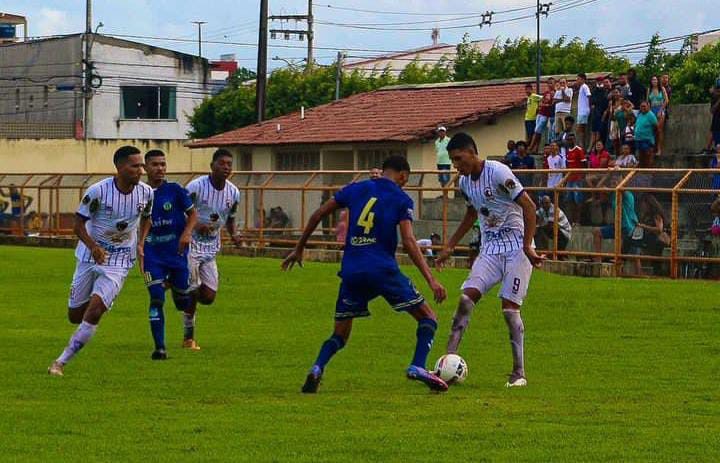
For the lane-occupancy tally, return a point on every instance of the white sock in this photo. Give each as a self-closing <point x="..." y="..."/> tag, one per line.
<point x="517" y="334"/>
<point x="82" y="336"/>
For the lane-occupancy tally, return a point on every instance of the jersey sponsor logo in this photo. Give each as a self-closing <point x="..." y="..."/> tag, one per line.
<point x="167" y="206"/>
<point x="362" y="240"/>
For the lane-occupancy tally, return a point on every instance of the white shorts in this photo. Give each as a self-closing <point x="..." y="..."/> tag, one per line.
<point x="203" y="271"/>
<point x="513" y="269"/>
<point x="102" y="280"/>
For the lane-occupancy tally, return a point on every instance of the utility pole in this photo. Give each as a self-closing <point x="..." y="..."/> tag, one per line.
<point x="338" y="74"/>
<point x="262" y="62"/>
<point x="287" y="34"/>
<point x="87" y="90"/>
<point x="542" y="9"/>
<point x="199" y="25"/>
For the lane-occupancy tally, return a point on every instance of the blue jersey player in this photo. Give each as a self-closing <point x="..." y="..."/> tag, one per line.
<point x="376" y="208"/>
<point x="166" y="241"/>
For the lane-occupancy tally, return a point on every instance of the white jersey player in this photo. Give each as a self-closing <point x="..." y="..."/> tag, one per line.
<point x="107" y="225"/>
<point x="507" y="223"/>
<point x="216" y="201"/>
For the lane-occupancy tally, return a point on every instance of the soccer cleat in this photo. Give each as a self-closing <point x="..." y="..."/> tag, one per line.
<point x="312" y="382"/>
<point x="429" y="379"/>
<point x="159" y="354"/>
<point x="56" y="369"/>
<point x="516" y="380"/>
<point x="190" y="344"/>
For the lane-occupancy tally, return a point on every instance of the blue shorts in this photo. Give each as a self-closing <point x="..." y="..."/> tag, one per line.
<point x="644" y="145"/>
<point x="176" y="272"/>
<point x="357" y="289"/>
<point x="540" y="123"/>
<point x="575" y="196"/>
<point x="582" y="119"/>
<point x="529" y="128"/>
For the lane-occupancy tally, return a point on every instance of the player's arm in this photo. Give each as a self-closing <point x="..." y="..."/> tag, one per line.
<point x="190" y="222"/>
<point x="296" y="256"/>
<point x="463" y="228"/>
<point x="145" y="226"/>
<point x="529" y="220"/>
<point x="98" y="253"/>
<point x="411" y="247"/>
<point x="231" y="227"/>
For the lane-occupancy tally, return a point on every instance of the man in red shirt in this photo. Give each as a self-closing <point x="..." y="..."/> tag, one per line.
<point x="576" y="159"/>
<point x="543" y="115"/>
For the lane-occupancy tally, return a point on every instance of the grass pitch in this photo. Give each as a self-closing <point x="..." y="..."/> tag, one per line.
<point x="618" y="370"/>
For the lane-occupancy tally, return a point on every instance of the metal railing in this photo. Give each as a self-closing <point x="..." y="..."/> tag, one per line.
<point x="685" y="193"/>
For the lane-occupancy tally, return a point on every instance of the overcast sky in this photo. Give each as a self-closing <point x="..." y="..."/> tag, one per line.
<point x="612" y="22"/>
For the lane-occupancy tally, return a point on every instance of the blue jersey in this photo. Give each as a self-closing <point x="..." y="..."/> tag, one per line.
<point x="376" y="207"/>
<point x="168" y="221"/>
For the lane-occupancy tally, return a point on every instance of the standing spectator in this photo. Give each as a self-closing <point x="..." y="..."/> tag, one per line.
<point x="375" y="172"/>
<point x="599" y="104"/>
<point x="625" y="159"/>
<point x="19" y="204"/>
<point x="665" y="82"/>
<point x="583" y="108"/>
<point x="576" y="159"/>
<point x="563" y="105"/>
<point x="715" y="164"/>
<point x="543" y="115"/>
<point x="547" y="150"/>
<point x="545" y="225"/>
<point x="555" y="162"/>
<point x="624" y="86"/>
<point x="426" y="245"/>
<point x="551" y="122"/>
<point x="645" y="128"/>
<point x="637" y="90"/>
<point x="658" y="99"/>
<point x="511" y="153"/>
<point x="443" y="158"/>
<point x="652" y="221"/>
<point x="533" y="102"/>
<point x="629" y="135"/>
<point x="615" y="107"/>
<point x="715" y="111"/>
<point x="620" y="117"/>
<point x="628" y="222"/>
<point x="563" y="138"/>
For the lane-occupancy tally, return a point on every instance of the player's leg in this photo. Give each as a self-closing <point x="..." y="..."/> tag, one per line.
<point x="486" y="272"/>
<point x="401" y="294"/>
<point x="155" y="282"/>
<point x="204" y="281"/>
<point x="518" y="271"/>
<point x="352" y="302"/>
<point x="80" y="292"/>
<point x="106" y="286"/>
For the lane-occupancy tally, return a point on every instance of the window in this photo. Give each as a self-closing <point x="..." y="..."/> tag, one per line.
<point x="369" y="158"/>
<point x="148" y="103"/>
<point x="297" y="160"/>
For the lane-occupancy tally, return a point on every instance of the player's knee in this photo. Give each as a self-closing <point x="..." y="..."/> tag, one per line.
<point x="182" y="299"/>
<point x="157" y="293"/>
<point x="466" y="305"/>
<point x="205" y="296"/>
<point x="75" y="315"/>
<point x="157" y="303"/>
<point x="93" y="314"/>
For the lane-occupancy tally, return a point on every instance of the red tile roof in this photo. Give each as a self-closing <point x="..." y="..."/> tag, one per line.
<point x="399" y="114"/>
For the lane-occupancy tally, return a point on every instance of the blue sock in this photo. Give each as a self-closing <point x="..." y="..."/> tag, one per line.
<point x="425" y="334"/>
<point x="328" y="349"/>
<point x="157" y="324"/>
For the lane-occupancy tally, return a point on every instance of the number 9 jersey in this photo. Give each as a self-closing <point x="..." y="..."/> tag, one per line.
<point x="376" y="207"/>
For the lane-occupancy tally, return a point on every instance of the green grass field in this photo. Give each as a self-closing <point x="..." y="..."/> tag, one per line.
<point x="618" y="370"/>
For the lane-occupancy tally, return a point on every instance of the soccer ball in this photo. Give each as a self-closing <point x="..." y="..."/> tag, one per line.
<point x="451" y="368"/>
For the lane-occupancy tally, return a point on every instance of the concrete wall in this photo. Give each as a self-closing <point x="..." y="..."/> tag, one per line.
<point x="687" y="130"/>
<point x="76" y="156"/>
<point x="120" y="65"/>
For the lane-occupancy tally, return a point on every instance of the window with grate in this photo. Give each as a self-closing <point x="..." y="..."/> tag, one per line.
<point x="147" y="102"/>
<point x="297" y="160"/>
<point x="369" y="158"/>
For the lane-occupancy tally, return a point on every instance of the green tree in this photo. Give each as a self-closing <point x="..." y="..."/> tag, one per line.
<point x="699" y="71"/>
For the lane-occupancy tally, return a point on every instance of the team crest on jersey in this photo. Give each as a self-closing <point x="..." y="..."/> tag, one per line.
<point x="488" y="192"/>
<point x="214" y="217"/>
<point x="510" y="184"/>
<point x="121" y="226"/>
<point x="167" y="206"/>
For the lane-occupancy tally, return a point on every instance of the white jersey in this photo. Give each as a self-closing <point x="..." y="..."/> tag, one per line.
<point x="555" y="162"/>
<point x="493" y="194"/>
<point x="214" y="208"/>
<point x="113" y="219"/>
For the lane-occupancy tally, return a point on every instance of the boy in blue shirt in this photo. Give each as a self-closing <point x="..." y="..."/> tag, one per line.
<point x="164" y="246"/>
<point x="369" y="269"/>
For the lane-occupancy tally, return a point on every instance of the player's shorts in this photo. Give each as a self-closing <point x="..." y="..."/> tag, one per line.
<point x="513" y="269"/>
<point x="176" y="273"/>
<point x="102" y="280"/>
<point x="203" y="271"/>
<point x="357" y="289"/>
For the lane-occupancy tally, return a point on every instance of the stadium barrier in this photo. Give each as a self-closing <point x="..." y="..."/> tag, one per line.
<point x="688" y="248"/>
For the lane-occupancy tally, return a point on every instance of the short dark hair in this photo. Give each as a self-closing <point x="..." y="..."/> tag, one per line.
<point x="570" y="119"/>
<point x="221" y="153"/>
<point x="153" y="154"/>
<point x="124" y="152"/>
<point x="397" y="163"/>
<point x="462" y="141"/>
<point x="582" y="75"/>
<point x="520" y="143"/>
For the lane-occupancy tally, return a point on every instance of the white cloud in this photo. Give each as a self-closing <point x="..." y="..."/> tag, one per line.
<point x="51" y="21"/>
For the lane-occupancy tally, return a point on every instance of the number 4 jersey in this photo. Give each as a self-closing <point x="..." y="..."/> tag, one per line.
<point x="376" y="207"/>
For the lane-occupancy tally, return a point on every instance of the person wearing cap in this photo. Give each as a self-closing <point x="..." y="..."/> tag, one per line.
<point x="443" y="158"/>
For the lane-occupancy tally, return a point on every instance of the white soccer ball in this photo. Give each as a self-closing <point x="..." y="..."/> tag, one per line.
<point x="451" y="368"/>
